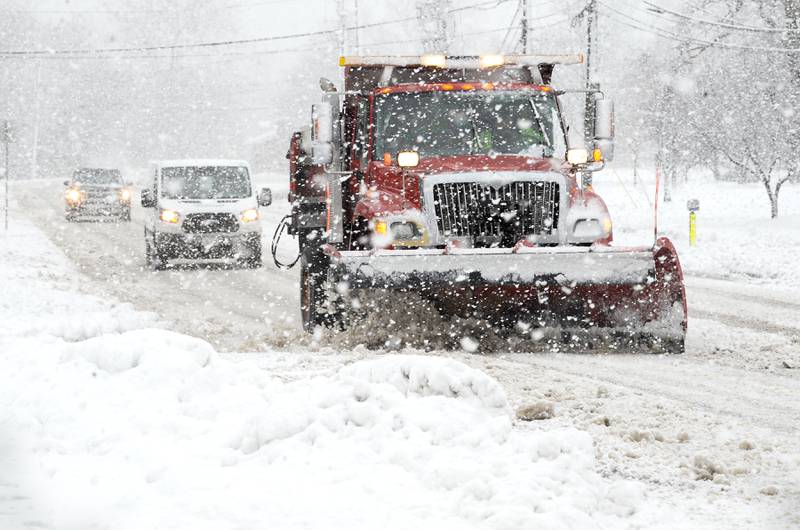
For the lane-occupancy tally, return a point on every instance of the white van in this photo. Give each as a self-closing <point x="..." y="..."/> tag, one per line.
<point x="203" y="210"/>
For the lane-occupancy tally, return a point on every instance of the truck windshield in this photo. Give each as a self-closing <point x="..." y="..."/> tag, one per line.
<point x="468" y="123"/>
<point x="97" y="176"/>
<point x="205" y="182"/>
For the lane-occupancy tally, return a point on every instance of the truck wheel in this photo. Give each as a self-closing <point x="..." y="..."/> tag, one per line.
<point x="314" y="306"/>
<point x="126" y="216"/>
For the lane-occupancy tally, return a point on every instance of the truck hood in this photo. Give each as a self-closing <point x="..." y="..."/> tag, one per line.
<point x="473" y="163"/>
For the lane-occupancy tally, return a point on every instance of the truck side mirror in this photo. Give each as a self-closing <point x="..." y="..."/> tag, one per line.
<point x="322" y="133"/>
<point x="66" y="183"/>
<point x="148" y="198"/>
<point x="265" y="197"/>
<point x="604" y="127"/>
<point x="322" y="154"/>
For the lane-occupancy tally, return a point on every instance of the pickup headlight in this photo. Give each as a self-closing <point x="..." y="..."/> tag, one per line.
<point x="169" y="216"/>
<point x="250" y="215"/>
<point x="73" y="195"/>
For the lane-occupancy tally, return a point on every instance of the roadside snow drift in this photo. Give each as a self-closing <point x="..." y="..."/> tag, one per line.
<point x="105" y="426"/>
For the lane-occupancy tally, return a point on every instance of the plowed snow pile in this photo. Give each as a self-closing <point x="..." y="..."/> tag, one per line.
<point x="107" y="422"/>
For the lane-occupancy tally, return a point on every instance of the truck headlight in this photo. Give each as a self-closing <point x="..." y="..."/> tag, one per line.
<point x="405" y="231"/>
<point x="398" y="232"/>
<point x="74" y="195"/>
<point x="250" y="215"/>
<point x="125" y="195"/>
<point x="592" y="227"/>
<point x="169" y="216"/>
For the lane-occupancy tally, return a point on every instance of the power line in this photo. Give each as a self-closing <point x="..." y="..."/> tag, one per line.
<point x="661" y="32"/>
<point x="165" y="47"/>
<point x="662" y="10"/>
<point x="135" y="11"/>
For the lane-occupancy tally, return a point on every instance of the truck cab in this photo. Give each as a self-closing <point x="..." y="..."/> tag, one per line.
<point x="202" y="210"/>
<point x="470" y="155"/>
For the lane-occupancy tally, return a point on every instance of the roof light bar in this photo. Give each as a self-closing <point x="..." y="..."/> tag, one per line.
<point x="438" y="61"/>
<point x="442" y="61"/>
<point x="492" y="61"/>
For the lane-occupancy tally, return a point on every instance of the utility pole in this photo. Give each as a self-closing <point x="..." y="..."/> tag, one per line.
<point x="36" y="118"/>
<point x="432" y="21"/>
<point x="591" y="43"/>
<point x="342" y="27"/>
<point x="5" y="137"/>
<point x="523" y="36"/>
<point x="355" y="23"/>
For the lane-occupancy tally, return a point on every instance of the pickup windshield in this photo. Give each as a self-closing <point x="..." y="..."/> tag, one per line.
<point x="97" y="176"/>
<point x="451" y="123"/>
<point x="205" y="182"/>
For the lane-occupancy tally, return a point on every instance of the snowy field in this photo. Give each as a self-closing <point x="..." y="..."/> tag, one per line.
<point x="191" y="399"/>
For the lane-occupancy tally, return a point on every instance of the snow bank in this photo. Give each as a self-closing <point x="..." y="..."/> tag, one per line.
<point x="736" y="239"/>
<point x="136" y="428"/>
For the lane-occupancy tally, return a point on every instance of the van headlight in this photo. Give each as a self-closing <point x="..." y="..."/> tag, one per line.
<point x="169" y="216"/>
<point x="250" y="215"/>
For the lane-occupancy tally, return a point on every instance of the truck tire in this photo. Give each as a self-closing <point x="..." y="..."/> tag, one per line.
<point x="314" y="306"/>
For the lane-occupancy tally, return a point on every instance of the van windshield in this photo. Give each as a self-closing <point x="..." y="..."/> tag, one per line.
<point x="205" y="182"/>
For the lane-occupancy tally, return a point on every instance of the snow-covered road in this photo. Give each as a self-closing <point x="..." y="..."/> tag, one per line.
<point x="712" y="434"/>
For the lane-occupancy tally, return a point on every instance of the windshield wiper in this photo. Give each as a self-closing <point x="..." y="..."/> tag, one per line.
<point x="476" y="141"/>
<point x="539" y="122"/>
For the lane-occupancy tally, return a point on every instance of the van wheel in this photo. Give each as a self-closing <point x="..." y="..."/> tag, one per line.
<point x="253" y="261"/>
<point x="153" y="257"/>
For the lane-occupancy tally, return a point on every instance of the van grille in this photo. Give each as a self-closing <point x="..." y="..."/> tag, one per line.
<point x="205" y="223"/>
<point x="509" y="212"/>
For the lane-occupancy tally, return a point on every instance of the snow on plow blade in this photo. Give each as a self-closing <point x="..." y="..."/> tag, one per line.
<point x="410" y="269"/>
<point x="631" y="289"/>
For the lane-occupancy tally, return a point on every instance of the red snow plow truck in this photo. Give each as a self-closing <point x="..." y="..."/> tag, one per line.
<point x="454" y="178"/>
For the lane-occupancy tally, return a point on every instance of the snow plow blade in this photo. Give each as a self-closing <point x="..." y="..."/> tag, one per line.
<point x="634" y="290"/>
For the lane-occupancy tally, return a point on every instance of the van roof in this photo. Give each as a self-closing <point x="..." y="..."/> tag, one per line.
<point x="195" y="162"/>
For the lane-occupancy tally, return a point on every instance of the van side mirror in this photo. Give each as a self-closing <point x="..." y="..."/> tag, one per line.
<point x="265" y="197"/>
<point x="148" y="198"/>
<point x="604" y="127"/>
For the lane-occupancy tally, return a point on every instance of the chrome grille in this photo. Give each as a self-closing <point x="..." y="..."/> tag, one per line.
<point x="511" y="211"/>
<point x="206" y="223"/>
